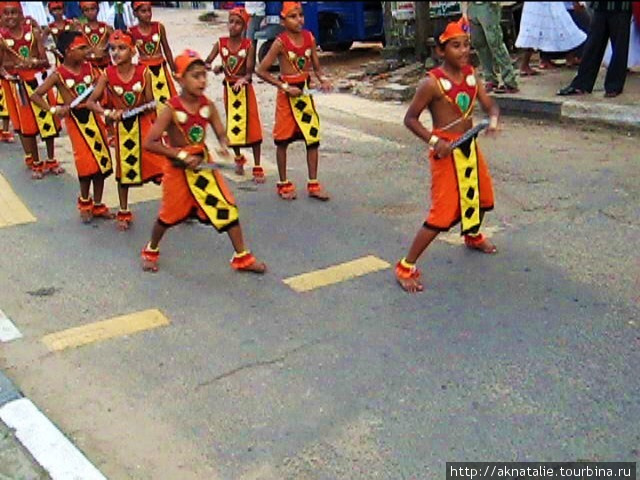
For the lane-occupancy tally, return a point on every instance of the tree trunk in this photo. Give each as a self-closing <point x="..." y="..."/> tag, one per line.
<point x="424" y="30"/>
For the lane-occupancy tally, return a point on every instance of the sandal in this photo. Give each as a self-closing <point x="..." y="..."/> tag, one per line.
<point x="124" y="218"/>
<point x="150" y="258"/>
<point x="408" y="276"/>
<point x="246" y="262"/>
<point x="286" y="190"/>
<point x="315" y="190"/>
<point x="258" y="174"/>
<point x="479" y="242"/>
<point x="85" y="206"/>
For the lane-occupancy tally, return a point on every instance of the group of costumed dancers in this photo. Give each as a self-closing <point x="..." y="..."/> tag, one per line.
<point x="158" y="135"/>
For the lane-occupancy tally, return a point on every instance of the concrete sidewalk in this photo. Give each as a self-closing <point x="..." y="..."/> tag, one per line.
<point x="15" y="461"/>
<point x="537" y="97"/>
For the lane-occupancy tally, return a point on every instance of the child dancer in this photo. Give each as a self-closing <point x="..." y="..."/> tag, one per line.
<point x="128" y="86"/>
<point x="154" y="52"/>
<point x="461" y="188"/>
<point x="86" y="130"/>
<point x="22" y="60"/>
<point x="244" y="128"/>
<point x="60" y="23"/>
<point x="188" y="190"/>
<point x="296" y="116"/>
<point x="97" y="34"/>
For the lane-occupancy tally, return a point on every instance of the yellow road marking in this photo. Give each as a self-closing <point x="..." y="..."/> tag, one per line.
<point x="336" y="274"/>
<point x="12" y="210"/>
<point x="105" y="329"/>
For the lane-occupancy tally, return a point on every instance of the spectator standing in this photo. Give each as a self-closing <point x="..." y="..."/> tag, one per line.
<point x="487" y="39"/>
<point x="547" y="27"/>
<point x="610" y="22"/>
<point x="634" y="41"/>
<point x="256" y="11"/>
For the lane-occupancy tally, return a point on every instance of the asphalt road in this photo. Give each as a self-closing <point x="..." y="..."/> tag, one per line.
<point x="526" y="355"/>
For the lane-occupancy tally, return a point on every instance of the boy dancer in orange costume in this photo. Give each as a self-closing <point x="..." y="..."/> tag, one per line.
<point x="97" y="34"/>
<point x="461" y="188"/>
<point x="87" y="131"/>
<point x="22" y="60"/>
<point x="188" y="190"/>
<point x="296" y="116"/>
<point x="128" y="86"/>
<point x="154" y="52"/>
<point x="244" y="128"/>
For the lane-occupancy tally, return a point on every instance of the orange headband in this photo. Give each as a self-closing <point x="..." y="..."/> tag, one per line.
<point x="287" y="7"/>
<point x="455" y="29"/>
<point x="52" y="5"/>
<point x="242" y="13"/>
<point x="88" y="4"/>
<point x="78" y="41"/>
<point x="121" y="37"/>
<point x="6" y="5"/>
<point x="184" y="60"/>
<point x="137" y="5"/>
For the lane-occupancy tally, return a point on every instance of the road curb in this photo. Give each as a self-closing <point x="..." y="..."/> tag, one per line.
<point x="618" y="116"/>
<point x="8" y="391"/>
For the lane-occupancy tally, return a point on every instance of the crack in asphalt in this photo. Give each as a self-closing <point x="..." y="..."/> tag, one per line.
<point x="261" y="363"/>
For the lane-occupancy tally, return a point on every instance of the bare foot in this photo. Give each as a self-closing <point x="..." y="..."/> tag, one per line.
<point x="255" y="267"/>
<point x="86" y="216"/>
<point x="239" y="169"/>
<point x="149" y="265"/>
<point x="124" y="220"/>
<point x="408" y="277"/>
<point x="102" y="211"/>
<point x="123" y="225"/>
<point x="481" y="243"/>
<point x="287" y="191"/>
<point x="411" y="285"/>
<point x="318" y="192"/>
<point x="258" y="174"/>
<point x="37" y="175"/>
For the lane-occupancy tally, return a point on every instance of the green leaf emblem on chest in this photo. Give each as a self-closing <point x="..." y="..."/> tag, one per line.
<point x="301" y="61"/>
<point x="24" y="51"/>
<point x="196" y="134"/>
<point x="80" y="88"/>
<point x="232" y="61"/>
<point x="129" y="98"/>
<point x="463" y="101"/>
<point x="150" y="47"/>
<point x="94" y="38"/>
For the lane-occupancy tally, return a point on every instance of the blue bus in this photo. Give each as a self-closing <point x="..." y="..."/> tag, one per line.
<point x="335" y="25"/>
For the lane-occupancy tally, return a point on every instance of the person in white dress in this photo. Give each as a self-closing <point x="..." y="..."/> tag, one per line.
<point x="547" y="27"/>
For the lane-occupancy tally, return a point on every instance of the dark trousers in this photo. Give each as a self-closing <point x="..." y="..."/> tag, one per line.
<point x="605" y="26"/>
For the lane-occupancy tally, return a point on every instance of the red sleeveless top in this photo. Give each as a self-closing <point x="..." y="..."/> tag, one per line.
<point x="148" y="44"/>
<point x="462" y="95"/>
<point x="233" y="61"/>
<point x="77" y="83"/>
<point x="298" y="56"/>
<point x="123" y="94"/>
<point x="57" y="30"/>
<point x="192" y="126"/>
<point x="95" y="35"/>
<point x="22" y="45"/>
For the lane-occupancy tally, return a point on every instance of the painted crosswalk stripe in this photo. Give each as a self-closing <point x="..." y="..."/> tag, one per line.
<point x="12" y="210"/>
<point x="8" y="330"/>
<point x="105" y="329"/>
<point x="48" y="446"/>
<point x="336" y="274"/>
